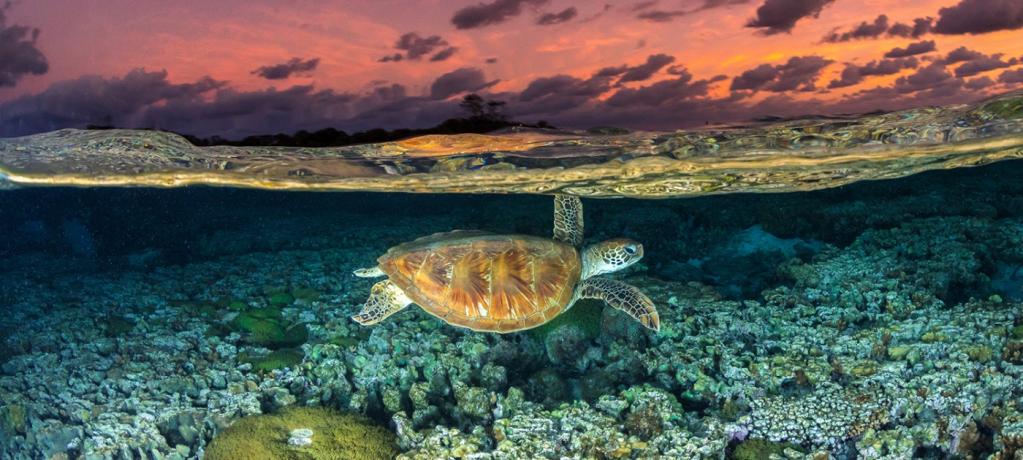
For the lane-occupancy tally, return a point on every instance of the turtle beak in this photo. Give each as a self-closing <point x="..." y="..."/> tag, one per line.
<point x="652" y="322"/>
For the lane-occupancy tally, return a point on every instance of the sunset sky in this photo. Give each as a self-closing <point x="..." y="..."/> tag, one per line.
<point x="239" y="67"/>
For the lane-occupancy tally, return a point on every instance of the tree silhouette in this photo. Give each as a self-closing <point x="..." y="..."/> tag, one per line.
<point x="483" y="110"/>
<point x="484" y="116"/>
<point x="473" y="104"/>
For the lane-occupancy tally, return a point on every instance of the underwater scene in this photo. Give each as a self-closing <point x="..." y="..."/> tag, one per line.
<point x="511" y="229"/>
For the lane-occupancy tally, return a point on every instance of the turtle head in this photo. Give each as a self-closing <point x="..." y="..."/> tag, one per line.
<point x="610" y="256"/>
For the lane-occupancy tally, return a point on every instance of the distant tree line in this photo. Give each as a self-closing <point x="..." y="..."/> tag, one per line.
<point x="482" y="116"/>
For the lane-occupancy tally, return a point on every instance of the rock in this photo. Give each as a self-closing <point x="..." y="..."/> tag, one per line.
<point x="52" y="437"/>
<point x="300" y="437"/>
<point x="280" y="398"/>
<point x="13" y="419"/>
<point x="474" y="402"/>
<point x="566" y="347"/>
<point x="494" y="377"/>
<point x="546" y="387"/>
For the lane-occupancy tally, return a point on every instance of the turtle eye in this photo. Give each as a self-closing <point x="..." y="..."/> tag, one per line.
<point x="630" y="250"/>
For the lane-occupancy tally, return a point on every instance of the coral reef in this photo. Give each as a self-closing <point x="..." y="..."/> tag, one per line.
<point x="891" y="334"/>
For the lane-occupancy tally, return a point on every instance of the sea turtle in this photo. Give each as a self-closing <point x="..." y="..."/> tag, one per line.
<point x="505" y="283"/>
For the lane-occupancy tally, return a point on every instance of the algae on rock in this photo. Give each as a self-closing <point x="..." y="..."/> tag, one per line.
<point x="335" y="435"/>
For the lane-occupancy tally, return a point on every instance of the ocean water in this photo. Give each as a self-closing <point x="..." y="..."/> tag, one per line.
<point x="880" y="319"/>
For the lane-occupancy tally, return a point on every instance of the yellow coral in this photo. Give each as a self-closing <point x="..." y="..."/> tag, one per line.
<point x="335" y="435"/>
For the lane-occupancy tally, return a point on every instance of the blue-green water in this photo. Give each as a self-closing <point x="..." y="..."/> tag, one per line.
<point x="877" y="320"/>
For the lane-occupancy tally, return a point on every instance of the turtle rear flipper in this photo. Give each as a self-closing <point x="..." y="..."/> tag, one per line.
<point x="568" y="219"/>
<point x="385" y="299"/>
<point x="624" y="297"/>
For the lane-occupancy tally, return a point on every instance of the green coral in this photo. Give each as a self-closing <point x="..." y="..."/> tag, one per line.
<point x="279" y="359"/>
<point x="758" y="449"/>
<point x="979" y="353"/>
<point x="204" y="310"/>
<point x="266" y="327"/>
<point x="281" y="299"/>
<point x="345" y="341"/>
<point x="335" y="435"/>
<point x="13" y="418"/>
<point x="899" y="352"/>
<point x="305" y="294"/>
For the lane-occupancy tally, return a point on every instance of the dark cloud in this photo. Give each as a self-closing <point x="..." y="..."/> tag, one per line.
<point x="646" y="70"/>
<point x="233" y="113"/>
<point x="799" y="73"/>
<point x="593" y="17"/>
<point x="586" y="102"/>
<point x="680" y="69"/>
<point x="564" y="85"/>
<point x="416" y="47"/>
<point x="708" y="4"/>
<point x="547" y="96"/>
<point x="1011" y="76"/>
<point x="980" y="83"/>
<point x="565" y="15"/>
<point x="981" y="65"/>
<point x="980" y="16"/>
<point x="776" y="16"/>
<point x="975" y="62"/>
<point x="206" y="107"/>
<point x="612" y="71"/>
<point x="863" y="30"/>
<point x="912" y="49"/>
<point x="496" y="12"/>
<point x="853" y="74"/>
<point x="625" y="73"/>
<point x="661" y="15"/>
<point x="669" y="15"/>
<point x="920" y="27"/>
<point x="294" y="66"/>
<point x="755" y="78"/>
<point x="685" y="101"/>
<point x="459" y="81"/>
<point x="142" y="99"/>
<point x="931" y="76"/>
<point x="962" y="54"/>
<point x="413" y="47"/>
<point x="880" y="26"/>
<point x="443" y="54"/>
<point x="18" y="53"/>
<point x="93" y="99"/>
<point x="660" y="93"/>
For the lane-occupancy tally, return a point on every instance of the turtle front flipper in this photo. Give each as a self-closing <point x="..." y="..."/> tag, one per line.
<point x="623" y="297"/>
<point x="385" y="299"/>
<point x="568" y="219"/>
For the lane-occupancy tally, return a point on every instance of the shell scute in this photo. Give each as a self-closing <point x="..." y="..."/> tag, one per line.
<point x="486" y="282"/>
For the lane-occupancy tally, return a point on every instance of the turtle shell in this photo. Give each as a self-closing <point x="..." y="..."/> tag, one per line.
<point x="486" y="282"/>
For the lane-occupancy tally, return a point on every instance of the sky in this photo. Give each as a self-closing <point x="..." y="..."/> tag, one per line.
<point x="240" y="67"/>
